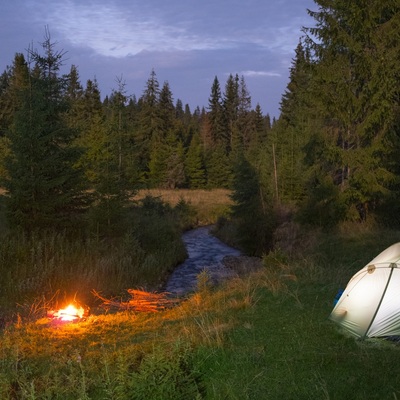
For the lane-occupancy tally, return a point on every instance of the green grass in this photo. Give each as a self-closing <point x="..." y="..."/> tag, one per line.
<point x="265" y="336"/>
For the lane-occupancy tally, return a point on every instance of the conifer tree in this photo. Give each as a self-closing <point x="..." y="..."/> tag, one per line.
<point x="261" y="125"/>
<point x="179" y="113"/>
<point x="149" y="122"/>
<point x="188" y="115"/>
<point x="218" y="166"/>
<point x="162" y="171"/>
<point x="74" y="117"/>
<point x="355" y="82"/>
<point x="194" y="165"/>
<point x="93" y="135"/>
<point x="292" y="131"/>
<point x="45" y="190"/>
<point x="117" y="125"/>
<point x="245" y="123"/>
<point x="215" y="114"/>
<point x="13" y="81"/>
<point x="252" y="210"/>
<point x="174" y="176"/>
<point x="166" y="110"/>
<point x="230" y="106"/>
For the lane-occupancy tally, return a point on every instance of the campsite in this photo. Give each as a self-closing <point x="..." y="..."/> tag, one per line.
<point x="273" y="323"/>
<point x="279" y="229"/>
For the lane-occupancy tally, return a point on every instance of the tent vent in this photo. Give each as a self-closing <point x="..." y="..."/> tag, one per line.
<point x="371" y="269"/>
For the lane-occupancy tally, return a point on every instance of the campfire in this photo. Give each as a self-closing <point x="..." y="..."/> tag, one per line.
<point x="140" y="301"/>
<point x="70" y="313"/>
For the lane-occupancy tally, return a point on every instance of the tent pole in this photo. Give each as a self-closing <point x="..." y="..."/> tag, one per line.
<point x="392" y="266"/>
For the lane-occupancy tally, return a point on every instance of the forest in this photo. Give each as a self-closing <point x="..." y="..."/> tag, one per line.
<point x="331" y="156"/>
<point x="313" y="194"/>
<point x="70" y="158"/>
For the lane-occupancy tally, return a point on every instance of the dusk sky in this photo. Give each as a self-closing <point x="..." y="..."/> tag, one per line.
<point x="186" y="42"/>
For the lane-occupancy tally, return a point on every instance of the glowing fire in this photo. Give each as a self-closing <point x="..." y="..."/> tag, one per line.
<point x="70" y="313"/>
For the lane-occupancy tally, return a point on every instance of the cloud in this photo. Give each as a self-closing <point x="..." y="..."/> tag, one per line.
<point x="117" y="32"/>
<point x="120" y="29"/>
<point x="255" y="74"/>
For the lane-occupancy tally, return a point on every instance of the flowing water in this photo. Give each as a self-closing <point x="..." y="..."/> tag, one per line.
<point x="205" y="253"/>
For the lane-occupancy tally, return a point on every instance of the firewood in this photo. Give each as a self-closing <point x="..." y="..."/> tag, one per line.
<point x="141" y="301"/>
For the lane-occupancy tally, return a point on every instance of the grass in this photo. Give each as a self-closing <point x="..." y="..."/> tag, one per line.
<point x="263" y="336"/>
<point x="53" y="268"/>
<point x="49" y="267"/>
<point x="208" y="204"/>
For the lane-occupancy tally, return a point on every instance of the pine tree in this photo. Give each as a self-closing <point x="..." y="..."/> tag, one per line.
<point x="117" y="126"/>
<point x="157" y="163"/>
<point x="216" y="116"/>
<point x="93" y="134"/>
<point x="166" y="110"/>
<point x="252" y="210"/>
<point x="262" y="125"/>
<point x="13" y="80"/>
<point x="174" y="176"/>
<point x="45" y="190"/>
<point x="75" y="118"/>
<point x="292" y="130"/>
<point x="355" y="83"/>
<point x="230" y="106"/>
<point x="245" y="123"/>
<point x="149" y="122"/>
<point x="194" y="165"/>
<point x="162" y="171"/>
<point x="218" y="166"/>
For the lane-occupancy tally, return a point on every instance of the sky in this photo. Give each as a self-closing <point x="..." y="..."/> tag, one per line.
<point x="186" y="42"/>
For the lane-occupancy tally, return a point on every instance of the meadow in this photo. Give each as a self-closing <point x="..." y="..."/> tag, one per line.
<point x="209" y="205"/>
<point x="264" y="335"/>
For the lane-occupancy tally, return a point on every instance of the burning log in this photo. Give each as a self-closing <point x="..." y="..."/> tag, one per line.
<point x="68" y="314"/>
<point x="141" y="301"/>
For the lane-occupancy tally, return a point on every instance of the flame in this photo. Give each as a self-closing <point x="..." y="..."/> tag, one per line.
<point x="69" y="313"/>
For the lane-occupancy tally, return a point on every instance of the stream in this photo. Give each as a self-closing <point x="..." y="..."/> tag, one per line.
<point x="205" y="253"/>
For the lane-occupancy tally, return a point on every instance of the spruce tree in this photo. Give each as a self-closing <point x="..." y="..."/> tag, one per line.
<point x="44" y="189"/>
<point x="245" y="123"/>
<point x="149" y="122"/>
<point x="293" y="130"/>
<point x="218" y="166"/>
<point x="13" y="80"/>
<point x="252" y="210"/>
<point x="354" y="46"/>
<point x="174" y="176"/>
<point x="166" y="110"/>
<point x="216" y="116"/>
<point x="194" y="165"/>
<point x="230" y="106"/>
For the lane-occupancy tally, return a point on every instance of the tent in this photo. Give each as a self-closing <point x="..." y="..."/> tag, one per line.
<point x="370" y="304"/>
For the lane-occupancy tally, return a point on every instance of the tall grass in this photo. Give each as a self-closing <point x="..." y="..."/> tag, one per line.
<point x="53" y="267"/>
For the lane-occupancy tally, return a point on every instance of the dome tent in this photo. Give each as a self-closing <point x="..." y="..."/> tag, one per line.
<point x="370" y="303"/>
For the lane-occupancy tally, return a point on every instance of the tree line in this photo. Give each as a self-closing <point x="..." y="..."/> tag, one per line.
<point x="331" y="156"/>
<point x="63" y="147"/>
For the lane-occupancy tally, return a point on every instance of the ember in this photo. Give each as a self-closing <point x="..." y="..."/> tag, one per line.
<point x="68" y="314"/>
